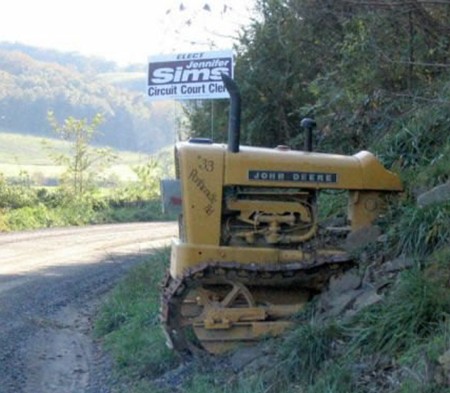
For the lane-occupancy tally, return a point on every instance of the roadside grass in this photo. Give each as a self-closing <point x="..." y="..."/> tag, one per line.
<point x="128" y="323"/>
<point x="23" y="208"/>
<point x="420" y="231"/>
<point x="402" y="337"/>
<point x="409" y="316"/>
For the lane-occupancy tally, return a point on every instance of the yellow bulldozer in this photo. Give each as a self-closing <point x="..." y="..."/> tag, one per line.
<point x="251" y="250"/>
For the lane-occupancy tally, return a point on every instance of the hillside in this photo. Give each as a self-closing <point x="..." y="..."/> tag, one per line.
<point x="26" y="153"/>
<point x="34" y="81"/>
<point x="375" y="75"/>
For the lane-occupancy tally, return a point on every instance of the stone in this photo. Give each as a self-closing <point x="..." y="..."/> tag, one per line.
<point x="243" y="357"/>
<point x="361" y="238"/>
<point x="437" y="194"/>
<point x="335" y="306"/>
<point x="367" y="298"/>
<point x="444" y="361"/>
<point x="398" y="264"/>
<point x="442" y="375"/>
<point x="345" y="282"/>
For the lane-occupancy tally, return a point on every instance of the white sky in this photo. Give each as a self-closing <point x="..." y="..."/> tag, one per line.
<point x="125" y="31"/>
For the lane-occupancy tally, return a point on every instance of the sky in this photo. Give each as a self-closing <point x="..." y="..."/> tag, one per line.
<point x="124" y="31"/>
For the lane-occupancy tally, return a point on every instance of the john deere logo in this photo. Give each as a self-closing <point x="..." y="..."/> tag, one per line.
<point x="302" y="177"/>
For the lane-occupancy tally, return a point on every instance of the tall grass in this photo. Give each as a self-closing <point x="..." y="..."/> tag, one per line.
<point x="420" y="231"/>
<point x="305" y="350"/>
<point x="129" y="323"/>
<point x="411" y="314"/>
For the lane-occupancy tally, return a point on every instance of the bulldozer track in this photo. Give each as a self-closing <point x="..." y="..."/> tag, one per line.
<point x="307" y="275"/>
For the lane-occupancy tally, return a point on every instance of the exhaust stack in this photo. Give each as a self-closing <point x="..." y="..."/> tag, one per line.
<point x="234" y="121"/>
<point x="309" y="125"/>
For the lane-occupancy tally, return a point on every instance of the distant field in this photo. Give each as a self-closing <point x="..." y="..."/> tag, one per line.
<point x="27" y="153"/>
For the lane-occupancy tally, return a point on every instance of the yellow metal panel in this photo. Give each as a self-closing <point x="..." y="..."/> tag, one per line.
<point x="308" y="170"/>
<point x="346" y="168"/>
<point x="375" y="176"/>
<point x="185" y="256"/>
<point x="201" y="172"/>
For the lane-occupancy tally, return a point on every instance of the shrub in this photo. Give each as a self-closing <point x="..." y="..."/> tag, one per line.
<point x="412" y="312"/>
<point x="305" y="350"/>
<point x="15" y="196"/>
<point x="420" y="231"/>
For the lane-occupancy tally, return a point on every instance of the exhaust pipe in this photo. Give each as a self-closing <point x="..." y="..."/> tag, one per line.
<point x="309" y="125"/>
<point x="234" y="121"/>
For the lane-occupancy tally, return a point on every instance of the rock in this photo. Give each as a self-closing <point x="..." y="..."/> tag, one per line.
<point x="367" y="298"/>
<point x="444" y="361"/>
<point x="382" y="239"/>
<point x="341" y="292"/>
<point x="437" y="194"/>
<point x="442" y="376"/>
<point x="361" y="238"/>
<point x="241" y="358"/>
<point x="398" y="264"/>
<point x="175" y="378"/>
<point x="335" y="305"/>
<point x="345" y="282"/>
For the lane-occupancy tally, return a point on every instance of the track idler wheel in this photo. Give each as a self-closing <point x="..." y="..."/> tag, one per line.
<point x="216" y="315"/>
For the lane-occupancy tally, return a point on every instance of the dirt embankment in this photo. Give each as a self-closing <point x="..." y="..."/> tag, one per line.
<point x="51" y="282"/>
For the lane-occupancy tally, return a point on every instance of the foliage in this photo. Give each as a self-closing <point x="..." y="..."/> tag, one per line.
<point x="24" y="207"/>
<point x="34" y="81"/>
<point x="53" y="210"/>
<point x="148" y="185"/>
<point x="16" y="196"/>
<point x="412" y="313"/>
<point x="121" y="210"/>
<point x="206" y="120"/>
<point x="375" y="75"/>
<point x="421" y="139"/>
<point x="357" y="68"/>
<point x="82" y="161"/>
<point x="421" y="231"/>
<point x="335" y="378"/>
<point x="72" y="59"/>
<point x="332" y="203"/>
<point x="305" y="350"/>
<point x="129" y="321"/>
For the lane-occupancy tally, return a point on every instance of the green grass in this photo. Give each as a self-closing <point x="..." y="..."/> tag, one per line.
<point x="412" y="314"/>
<point x="421" y="231"/>
<point x="27" y="153"/>
<point x="410" y="328"/>
<point x="128" y="323"/>
<point x="16" y="149"/>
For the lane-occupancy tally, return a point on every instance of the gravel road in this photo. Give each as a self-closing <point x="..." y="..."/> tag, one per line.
<point x="51" y="283"/>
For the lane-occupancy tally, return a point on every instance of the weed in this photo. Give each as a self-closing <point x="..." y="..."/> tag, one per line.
<point x="305" y="350"/>
<point x="134" y="212"/>
<point x="31" y="218"/>
<point x="420" y="231"/>
<point x="332" y="203"/>
<point x="332" y="379"/>
<point x="203" y="384"/>
<point x="129" y="321"/>
<point x="412" y="312"/>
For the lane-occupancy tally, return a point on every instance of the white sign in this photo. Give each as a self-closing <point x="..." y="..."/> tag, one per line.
<point x="189" y="76"/>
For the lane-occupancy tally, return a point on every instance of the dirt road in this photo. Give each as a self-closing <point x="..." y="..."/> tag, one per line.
<point x="51" y="282"/>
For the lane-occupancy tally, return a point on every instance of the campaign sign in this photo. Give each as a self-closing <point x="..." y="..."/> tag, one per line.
<point x="189" y="76"/>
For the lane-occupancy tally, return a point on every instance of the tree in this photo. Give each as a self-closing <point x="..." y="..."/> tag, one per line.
<point x="81" y="161"/>
<point x="350" y="64"/>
